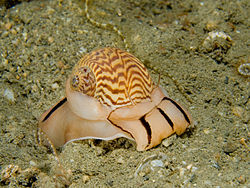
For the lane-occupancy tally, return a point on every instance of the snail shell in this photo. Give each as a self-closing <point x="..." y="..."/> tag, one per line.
<point x="112" y="76"/>
<point x="110" y="94"/>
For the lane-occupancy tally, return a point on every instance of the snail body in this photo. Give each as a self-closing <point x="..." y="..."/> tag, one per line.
<point x="110" y="94"/>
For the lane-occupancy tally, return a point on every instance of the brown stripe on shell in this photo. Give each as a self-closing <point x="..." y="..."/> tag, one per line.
<point x="119" y="97"/>
<point x="137" y="83"/>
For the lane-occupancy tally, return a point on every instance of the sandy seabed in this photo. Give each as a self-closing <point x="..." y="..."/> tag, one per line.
<point x="199" y="44"/>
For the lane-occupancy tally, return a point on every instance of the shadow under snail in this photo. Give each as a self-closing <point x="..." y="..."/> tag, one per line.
<point x="110" y="94"/>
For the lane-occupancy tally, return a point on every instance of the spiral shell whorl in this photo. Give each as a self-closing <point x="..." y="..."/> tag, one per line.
<point x="83" y="80"/>
<point x="120" y="78"/>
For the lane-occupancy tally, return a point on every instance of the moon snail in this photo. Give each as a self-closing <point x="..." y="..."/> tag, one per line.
<point x="110" y="94"/>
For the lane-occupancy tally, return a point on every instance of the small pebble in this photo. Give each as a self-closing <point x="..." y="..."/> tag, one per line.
<point x="241" y="179"/>
<point x="189" y="166"/>
<point x="142" y="174"/>
<point x="211" y="25"/>
<point x="230" y="147"/>
<point x="34" y="88"/>
<point x="32" y="163"/>
<point x="166" y="163"/>
<point x="13" y="31"/>
<point x="216" y="165"/>
<point x="238" y="111"/>
<point x="206" y="131"/>
<point x="60" y="64"/>
<point x="5" y="62"/>
<point x="207" y="182"/>
<point x="50" y="11"/>
<point x="54" y="86"/>
<point x="244" y="69"/>
<point x="120" y="160"/>
<point x="79" y="31"/>
<point x="157" y="163"/>
<point x="211" y="40"/>
<point x="82" y="50"/>
<point x="168" y="141"/>
<point x="145" y="178"/>
<point x="8" y="26"/>
<point x="50" y="40"/>
<point x="182" y="171"/>
<point x="25" y="74"/>
<point x="25" y="36"/>
<point x="85" y="178"/>
<point x="194" y="169"/>
<point x="9" y="95"/>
